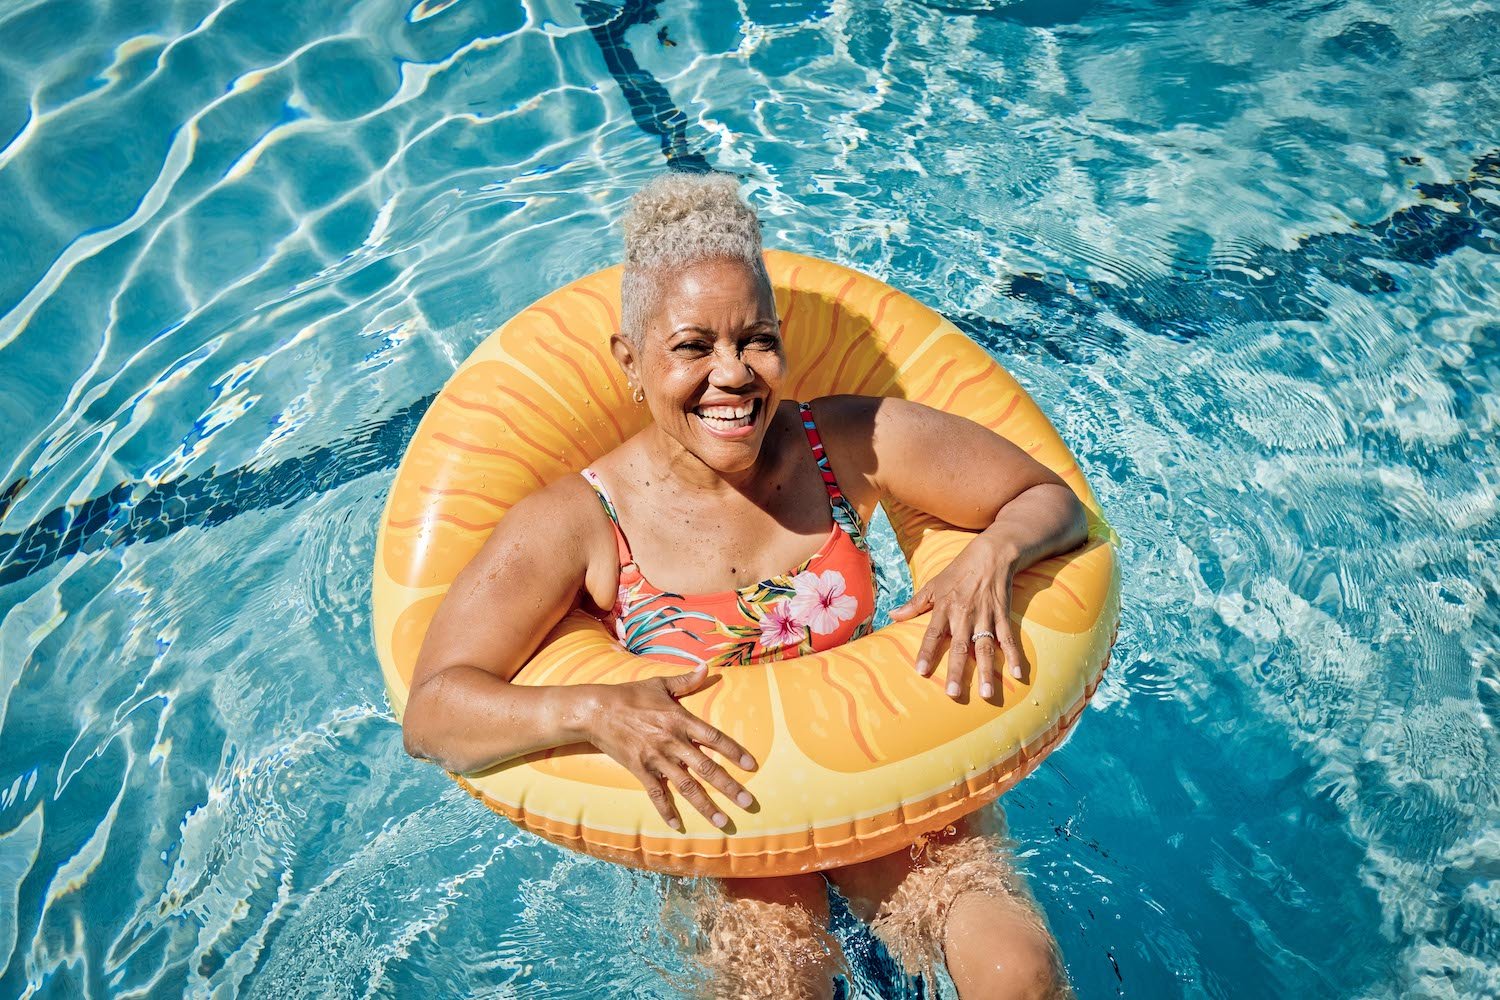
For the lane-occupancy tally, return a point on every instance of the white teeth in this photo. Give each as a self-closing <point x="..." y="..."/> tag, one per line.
<point x="726" y="412"/>
<point x="726" y="417"/>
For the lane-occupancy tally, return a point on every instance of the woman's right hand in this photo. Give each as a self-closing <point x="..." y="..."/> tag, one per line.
<point x="642" y="725"/>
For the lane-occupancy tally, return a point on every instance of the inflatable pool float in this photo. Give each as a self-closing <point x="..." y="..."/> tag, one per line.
<point x="859" y="755"/>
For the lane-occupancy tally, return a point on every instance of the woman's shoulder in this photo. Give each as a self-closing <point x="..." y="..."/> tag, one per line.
<point x="860" y="417"/>
<point x="846" y="425"/>
<point x="564" y="510"/>
<point x="562" y="525"/>
<point x="845" y="418"/>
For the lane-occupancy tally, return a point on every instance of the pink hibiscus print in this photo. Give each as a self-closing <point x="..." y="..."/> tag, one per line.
<point x="779" y="626"/>
<point x="820" y="600"/>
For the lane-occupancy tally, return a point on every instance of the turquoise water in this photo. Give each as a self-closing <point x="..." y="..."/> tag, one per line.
<point x="1245" y="255"/>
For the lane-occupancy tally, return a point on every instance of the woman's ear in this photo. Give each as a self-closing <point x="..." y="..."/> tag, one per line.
<point x="619" y="346"/>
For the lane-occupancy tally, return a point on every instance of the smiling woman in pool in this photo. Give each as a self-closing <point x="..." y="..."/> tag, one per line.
<point x="729" y="486"/>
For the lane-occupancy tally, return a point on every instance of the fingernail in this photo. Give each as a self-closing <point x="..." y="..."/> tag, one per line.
<point x="675" y="824"/>
<point x="746" y="764"/>
<point x="1016" y="672"/>
<point x="987" y="690"/>
<point x="744" y="800"/>
<point x="953" y="690"/>
<point x="720" y="819"/>
<point x="922" y="667"/>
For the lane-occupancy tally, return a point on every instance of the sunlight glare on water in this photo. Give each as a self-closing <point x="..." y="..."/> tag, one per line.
<point x="1244" y="255"/>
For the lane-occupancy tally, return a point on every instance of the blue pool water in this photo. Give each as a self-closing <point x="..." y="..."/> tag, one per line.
<point x="1244" y="254"/>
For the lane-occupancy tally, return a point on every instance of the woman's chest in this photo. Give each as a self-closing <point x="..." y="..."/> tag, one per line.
<point x="694" y="551"/>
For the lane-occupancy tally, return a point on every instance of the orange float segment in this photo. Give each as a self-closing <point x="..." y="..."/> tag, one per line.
<point x="859" y="755"/>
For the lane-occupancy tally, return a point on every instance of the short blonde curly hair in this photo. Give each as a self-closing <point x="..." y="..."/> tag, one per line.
<point x="676" y="220"/>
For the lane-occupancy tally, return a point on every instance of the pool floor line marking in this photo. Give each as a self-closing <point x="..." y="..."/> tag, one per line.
<point x="1420" y="233"/>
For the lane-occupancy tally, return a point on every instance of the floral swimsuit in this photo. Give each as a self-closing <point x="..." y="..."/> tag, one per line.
<point x="826" y="601"/>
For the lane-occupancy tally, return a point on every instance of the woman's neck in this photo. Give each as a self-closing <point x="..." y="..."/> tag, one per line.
<point x="692" y="476"/>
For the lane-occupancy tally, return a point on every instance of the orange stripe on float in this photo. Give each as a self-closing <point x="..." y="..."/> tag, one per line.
<point x="849" y="353"/>
<point x="791" y="297"/>
<point x="566" y="673"/>
<point x="614" y="321"/>
<point x="509" y="424"/>
<point x="708" y="700"/>
<point x="879" y="357"/>
<point x="609" y="308"/>
<point x="854" y="729"/>
<point x="498" y="452"/>
<point x="582" y="378"/>
<point x="1014" y="402"/>
<point x="455" y="492"/>
<point x="880" y="309"/>
<point x="839" y="371"/>
<point x="937" y="376"/>
<point x="547" y="415"/>
<point x="1058" y="584"/>
<point x="469" y="404"/>
<point x="592" y="351"/>
<point x="417" y="522"/>
<point x="880" y="692"/>
<point x="894" y="643"/>
<point x="833" y="333"/>
<point x="961" y="387"/>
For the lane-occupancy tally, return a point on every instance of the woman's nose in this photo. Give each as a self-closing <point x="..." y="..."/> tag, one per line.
<point x="731" y="370"/>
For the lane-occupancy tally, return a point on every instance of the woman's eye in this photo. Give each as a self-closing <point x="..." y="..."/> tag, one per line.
<point x="692" y="346"/>
<point x="766" y="340"/>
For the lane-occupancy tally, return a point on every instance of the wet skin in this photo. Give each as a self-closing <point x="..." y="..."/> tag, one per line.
<point x="710" y="505"/>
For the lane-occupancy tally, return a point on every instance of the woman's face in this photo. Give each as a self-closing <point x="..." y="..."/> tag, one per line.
<point x="711" y="362"/>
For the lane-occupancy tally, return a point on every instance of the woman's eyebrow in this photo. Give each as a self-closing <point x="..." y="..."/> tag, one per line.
<point x="695" y="328"/>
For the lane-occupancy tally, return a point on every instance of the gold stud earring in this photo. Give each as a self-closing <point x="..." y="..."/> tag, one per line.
<point x="639" y="395"/>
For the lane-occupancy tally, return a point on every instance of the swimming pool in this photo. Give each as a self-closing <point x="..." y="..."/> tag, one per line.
<point x="1244" y="255"/>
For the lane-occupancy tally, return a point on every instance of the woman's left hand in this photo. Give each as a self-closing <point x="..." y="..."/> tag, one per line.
<point x="971" y="595"/>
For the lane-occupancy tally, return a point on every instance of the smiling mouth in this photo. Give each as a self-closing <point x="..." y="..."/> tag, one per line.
<point x="729" y="418"/>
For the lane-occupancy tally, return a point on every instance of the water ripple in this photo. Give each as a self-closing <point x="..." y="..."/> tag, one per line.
<point x="1248" y="271"/>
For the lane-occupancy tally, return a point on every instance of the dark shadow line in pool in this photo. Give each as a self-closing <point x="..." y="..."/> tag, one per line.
<point x="1266" y="285"/>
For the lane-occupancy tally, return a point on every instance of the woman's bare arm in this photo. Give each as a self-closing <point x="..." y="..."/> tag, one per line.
<point x="464" y="714"/>
<point x="970" y="477"/>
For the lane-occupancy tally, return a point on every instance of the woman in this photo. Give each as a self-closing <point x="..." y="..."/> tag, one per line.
<point x="727" y="487"/>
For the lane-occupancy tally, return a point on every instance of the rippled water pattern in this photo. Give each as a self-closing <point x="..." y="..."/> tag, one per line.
<point x="1245" y="254"/>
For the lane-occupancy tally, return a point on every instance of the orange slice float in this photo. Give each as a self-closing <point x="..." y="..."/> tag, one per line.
<point x="859" y="755"/>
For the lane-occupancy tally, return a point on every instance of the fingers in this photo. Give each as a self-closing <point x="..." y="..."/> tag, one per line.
<point x="927" y="655"/>
<point x="958" y="623"/>
<point x="699" y="764"/>
<point x="683" y="684"/>
<point x="1010" y="642"/>
<point x="958" y="649"/>
<point x="920" y="603"/>
<point x="984" y="655"/>
<point x="689" y="789"/>
<point x="657" y="793"/>
<point x="717" y="741"/>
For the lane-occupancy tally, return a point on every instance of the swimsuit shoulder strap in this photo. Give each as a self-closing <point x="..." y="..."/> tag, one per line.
<point x="844" y="513"/>
<point x="816" y="442"/>
<point x="626" y="559"/>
